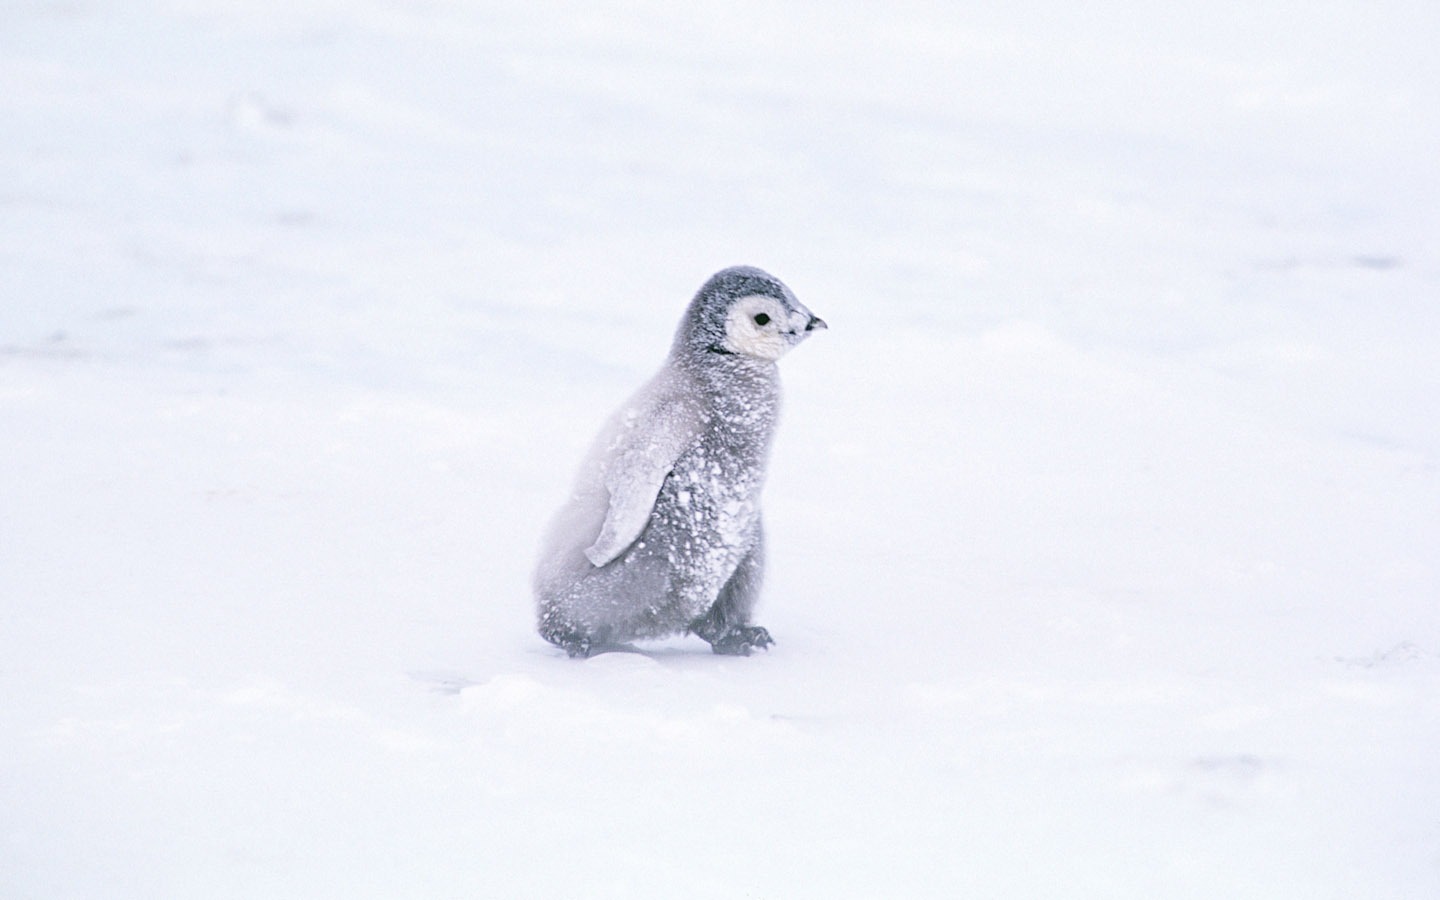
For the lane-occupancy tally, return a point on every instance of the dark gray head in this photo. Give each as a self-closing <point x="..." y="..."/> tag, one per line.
<point x="744" y="311"/>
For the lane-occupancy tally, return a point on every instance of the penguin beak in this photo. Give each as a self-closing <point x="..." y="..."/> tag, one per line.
<point x="816" y="324"/>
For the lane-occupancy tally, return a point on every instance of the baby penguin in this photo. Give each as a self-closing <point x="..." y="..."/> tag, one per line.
<point x="662" y="534"/>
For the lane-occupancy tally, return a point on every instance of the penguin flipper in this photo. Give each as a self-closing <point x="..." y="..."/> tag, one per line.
<point x="637" y="472"/>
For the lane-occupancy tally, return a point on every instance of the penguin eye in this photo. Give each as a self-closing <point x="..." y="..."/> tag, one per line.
<point x="762" y="319"/>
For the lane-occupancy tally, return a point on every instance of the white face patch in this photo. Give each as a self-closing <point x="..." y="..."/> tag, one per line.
<point x="761" y="326"/>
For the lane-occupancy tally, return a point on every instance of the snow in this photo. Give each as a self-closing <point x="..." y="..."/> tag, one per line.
<point x="1102" y="521"/>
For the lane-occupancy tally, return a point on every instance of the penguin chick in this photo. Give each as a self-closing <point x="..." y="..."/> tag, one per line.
<point x="662" y="534"/>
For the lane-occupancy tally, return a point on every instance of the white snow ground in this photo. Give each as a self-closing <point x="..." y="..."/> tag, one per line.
<point x="1104" y="519"/>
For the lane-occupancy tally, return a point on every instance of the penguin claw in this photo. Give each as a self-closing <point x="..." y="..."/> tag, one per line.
<point x="575" y="645"/>
<point x="741" y="640"/>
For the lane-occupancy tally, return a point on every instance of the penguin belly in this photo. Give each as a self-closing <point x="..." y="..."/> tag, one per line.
<point x="703" y="525"/>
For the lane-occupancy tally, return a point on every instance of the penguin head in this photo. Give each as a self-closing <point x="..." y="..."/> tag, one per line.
<point x="744" y="311"/>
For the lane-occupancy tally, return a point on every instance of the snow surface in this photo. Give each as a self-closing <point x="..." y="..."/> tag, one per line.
<point x="1103" y="521"/>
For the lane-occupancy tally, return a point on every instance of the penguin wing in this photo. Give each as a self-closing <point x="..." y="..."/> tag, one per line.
<point x="643" y="460"/>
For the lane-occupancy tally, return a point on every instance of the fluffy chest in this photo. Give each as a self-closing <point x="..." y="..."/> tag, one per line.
<point x="714" y="488"/>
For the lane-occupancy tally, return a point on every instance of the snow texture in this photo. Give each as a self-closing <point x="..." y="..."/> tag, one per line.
<point x="1101" y="526"/>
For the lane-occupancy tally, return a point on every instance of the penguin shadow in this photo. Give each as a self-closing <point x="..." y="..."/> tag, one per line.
<point x="678" y="651"/>
<point x="673" y="653"/>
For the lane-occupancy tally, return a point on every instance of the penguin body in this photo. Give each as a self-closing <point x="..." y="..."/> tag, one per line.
<point x="662" y="534"/>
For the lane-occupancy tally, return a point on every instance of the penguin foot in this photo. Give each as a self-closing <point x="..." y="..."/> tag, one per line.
<point x="575" y="648"/>
<point x="572" y="642"/>
<point x="741" y="639"/>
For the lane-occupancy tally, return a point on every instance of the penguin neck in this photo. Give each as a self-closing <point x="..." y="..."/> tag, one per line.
<point x="731" y="372"/>
<point x="740" y="399"/>
<point x="743" y="392"/>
